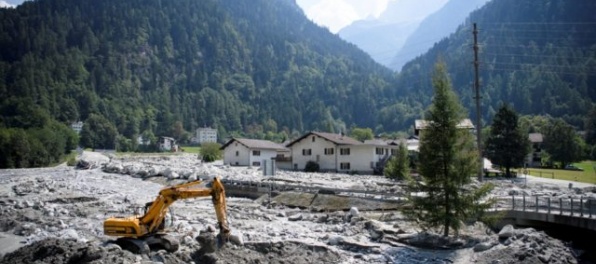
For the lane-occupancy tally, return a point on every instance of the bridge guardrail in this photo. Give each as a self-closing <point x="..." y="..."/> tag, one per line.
<point x="582" y="207"/>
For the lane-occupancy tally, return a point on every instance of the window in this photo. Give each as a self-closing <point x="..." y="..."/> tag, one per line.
<point x="394" y="152"/>
<point x="306" y="152"/>
<point x="329" y="151"/>
<point x="344" y="151"/>
<point x="344" y="166"/>
<point x="256" y="163"/>
<point x="313" y="138"/>
<point x="237" y="153"/>
<point x="379" y="151"/>
<point x="256" y="153"/>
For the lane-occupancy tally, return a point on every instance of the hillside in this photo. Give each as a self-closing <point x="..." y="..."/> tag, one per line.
<point x="433" y="28"/>
<point x="146" y="65"/>
<point x="538" y="56"/>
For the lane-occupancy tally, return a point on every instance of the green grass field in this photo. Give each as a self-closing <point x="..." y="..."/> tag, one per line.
<point x="191" y="149"/>
<point x="588" y="174"/>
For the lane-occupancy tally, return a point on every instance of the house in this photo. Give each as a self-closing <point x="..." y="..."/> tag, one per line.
<point x="333" y="152"/>
<point x="534" y="158"/>
<point x="250" y="152"/>
<point x="420" y="125"/>
<point x="204" y="135"/>
<point x="167" y="144"/>
<point x="77" y="126"/>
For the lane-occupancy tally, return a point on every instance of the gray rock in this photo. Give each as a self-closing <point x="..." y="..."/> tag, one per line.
<point x="335" y="240"/>
<point x="281" y="214"/>
<point x="354" y="212"/>
<point x="507" y="231"/>
<point x="296" y="217"/>
<point x="483" y="246"/>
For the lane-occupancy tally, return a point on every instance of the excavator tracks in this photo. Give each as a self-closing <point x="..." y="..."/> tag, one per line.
<point x="146" y="244"/>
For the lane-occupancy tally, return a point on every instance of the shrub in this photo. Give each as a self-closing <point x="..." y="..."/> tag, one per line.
<point x="311" y="166"/>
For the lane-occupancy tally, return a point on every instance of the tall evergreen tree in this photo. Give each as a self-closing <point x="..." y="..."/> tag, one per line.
<point x="507" y="144"/>
<point x="448" y="159"/>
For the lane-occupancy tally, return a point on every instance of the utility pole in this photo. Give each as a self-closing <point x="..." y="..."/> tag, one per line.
<point x="478" y="119"/>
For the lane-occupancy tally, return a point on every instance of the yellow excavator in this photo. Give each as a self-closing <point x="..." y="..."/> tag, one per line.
<point x="139" y="233"/>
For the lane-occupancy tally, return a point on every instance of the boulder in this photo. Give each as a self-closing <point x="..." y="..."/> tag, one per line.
<point x="506" y="232"/>
<point x="296" y="217"/>
<point x="484" y="246"/>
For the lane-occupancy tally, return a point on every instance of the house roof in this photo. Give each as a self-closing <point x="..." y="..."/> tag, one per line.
<point x="535" y="137"/>
<point x="337" y="139"/>
<point x="256" y="144"/>
<point x="422" y="124"/>
<point x="384" y="142"/>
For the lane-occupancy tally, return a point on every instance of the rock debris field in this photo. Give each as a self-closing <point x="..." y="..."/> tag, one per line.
<point x="55" y="215"/>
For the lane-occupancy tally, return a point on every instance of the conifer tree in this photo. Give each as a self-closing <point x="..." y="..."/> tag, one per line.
<point x="507" y="144"/>
<point x="448" y="160"/>
<point x="398" y="166"/>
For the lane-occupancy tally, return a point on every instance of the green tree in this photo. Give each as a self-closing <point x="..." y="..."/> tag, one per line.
<point x="448" y="160"/>
<point x="398" y="166"/>
<point x="562" y="143"/>
<point x="98" y="132"/>
<point x="210" y="152"/>
<point x="507" y="144"/>
<point x="361" y="134"/>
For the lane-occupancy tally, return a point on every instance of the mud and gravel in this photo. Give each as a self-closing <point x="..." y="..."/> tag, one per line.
<point x="55" y="215"/>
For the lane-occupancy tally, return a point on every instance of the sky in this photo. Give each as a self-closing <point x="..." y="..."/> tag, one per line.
<point x="336" y="14"/>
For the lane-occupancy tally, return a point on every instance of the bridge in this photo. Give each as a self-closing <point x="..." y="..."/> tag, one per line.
<point x="547" y="211"/>
<point x="522" y="210"/>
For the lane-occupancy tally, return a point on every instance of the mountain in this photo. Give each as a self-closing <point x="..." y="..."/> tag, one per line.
<point x="384" y="36"/>
<point x="150" y="65"/>
<point x="538" y="56"/>
<point x="434" y="28"/>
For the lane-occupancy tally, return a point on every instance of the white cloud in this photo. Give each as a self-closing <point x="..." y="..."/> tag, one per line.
<point x="4" y="4"/>
<point x="336" y="14"/>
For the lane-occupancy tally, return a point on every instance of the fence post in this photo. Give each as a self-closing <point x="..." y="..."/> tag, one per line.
<point x="513" y="203"/>
<point x="548" y="205"/>
<point x="571" y="210"/>
<point x="536" y="204"/>
<point x="524" y="203"/>
<point x="581" y="206"/>
<point x="560" y="206"/>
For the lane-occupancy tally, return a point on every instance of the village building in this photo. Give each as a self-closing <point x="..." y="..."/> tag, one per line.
<point x="167" y="144"/>
<point x="77" y="126"/>
<point x="204" y="135"/>
<point x="420" y="125"/>
<point x="339" y="153"/>
<point x="534" y="158"/>
<point x="251" y="152"/>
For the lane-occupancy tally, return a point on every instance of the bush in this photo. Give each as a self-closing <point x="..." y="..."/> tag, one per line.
<point x="210" y="152"/>
<point x="311" y="166"/>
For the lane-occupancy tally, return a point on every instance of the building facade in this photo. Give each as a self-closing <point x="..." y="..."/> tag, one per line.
<point x="204" y="135"/>
<point x="250" y="152"/>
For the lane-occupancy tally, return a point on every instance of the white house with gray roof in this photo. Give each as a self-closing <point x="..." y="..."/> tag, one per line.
<point x="250" y="152"/>
<point x="336" y="152"/>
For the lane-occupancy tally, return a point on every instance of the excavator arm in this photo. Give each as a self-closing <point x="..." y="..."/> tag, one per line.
<point x="151" y="222"/>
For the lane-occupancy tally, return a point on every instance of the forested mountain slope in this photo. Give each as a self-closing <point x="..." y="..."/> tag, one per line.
<point x="539" y="56"/>
<point x="154" y="65"/>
